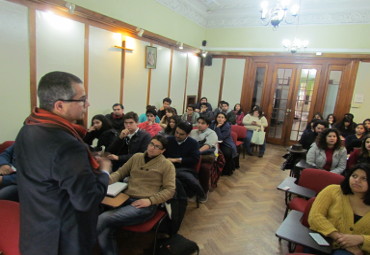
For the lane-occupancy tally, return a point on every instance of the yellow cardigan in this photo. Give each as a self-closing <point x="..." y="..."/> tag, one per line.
<point x="332" y="211"/>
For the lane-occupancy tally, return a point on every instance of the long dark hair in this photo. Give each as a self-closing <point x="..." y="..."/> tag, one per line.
<point x="168" y="130"/>
<point x="364" y="154"/>
<point x="346" y="189"/>
<point x="332" y="115"/>
<point x="321" y="139"/>
<point x="240" y="110"/>
<point x="258" y="109"/>
<point x="220" y="113"/>
<point x="106" y="124"/>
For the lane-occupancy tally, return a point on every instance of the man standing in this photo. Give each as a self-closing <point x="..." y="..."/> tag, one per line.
<point x="116" y="117"/>
<point x="130" y="141"/>
<point x="59" y="182"/>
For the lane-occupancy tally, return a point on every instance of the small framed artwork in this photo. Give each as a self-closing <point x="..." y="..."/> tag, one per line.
<point x="150" y="57"/>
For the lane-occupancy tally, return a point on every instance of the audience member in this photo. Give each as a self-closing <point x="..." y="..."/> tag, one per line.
<point x="102" y="130"/>
<point x="143" y="118"/>
<point x="309" y="135"/>
<point x="367" y="125"/>
<point x="239" y="114"/>
<point x="171" y="127"/>
<point x="203" y="100"/>
<point x="360" y="155"/>
<point x="170" y="112"/>
<point x="190" y="115"/>
<point x="316" y="116"/>
<point x="230" y="115"/>
<point x="355" y="140"/>
<point x="331" y="120"/>
<point x="206" y="137"/>
<point x="327" y="152"/>
<point x="346" y="127"/>
<point x="166" y="104"/>
<point x="60" y="185"/>
<point x="342" y="212"/>
<point x="204" y="112"/>
<point x="8" y="175"/>
<point x="150" y="126"/>
<point x="143" y="198"/>
<point x="183" y="152"/>
<point x="253" y="121"/>
<point x="227" y="145"/>
<point x="219" y="108"/>
<point x="130" y="141"/>
<point x="116" y="117"/>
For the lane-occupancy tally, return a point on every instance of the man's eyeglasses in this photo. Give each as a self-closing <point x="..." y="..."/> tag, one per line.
<point x="73" y="100"/>
<point x="155" y="146"/>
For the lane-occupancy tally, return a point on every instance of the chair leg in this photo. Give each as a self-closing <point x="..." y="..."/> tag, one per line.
<point x="291" y="246"/>
<point x="286" y="212"/>
<point x="155" y="235"/>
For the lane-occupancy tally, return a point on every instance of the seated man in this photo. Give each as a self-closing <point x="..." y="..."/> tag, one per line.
<point x="150" y="126"/>
<point x="130" y="141"/>
<point x="190" y="115"/>
<point x="230" y="115"/>
<point x="204" y="112"/>
<point x="166" y="104"/>
<point x="8" y="176"/>
<point x="146" y="189"/>
<point x="206" y="137"/>
<point x="116" y="117"/>
<point x="203" y="100"/>
<point x="309" y="135"/>
<point x="142" y="117"/>
<point x="183" y="152"/>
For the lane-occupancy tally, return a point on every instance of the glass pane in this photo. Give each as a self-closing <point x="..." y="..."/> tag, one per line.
<point x="279" y="106"/>
<point x="332" y="93"/>
<point x="303" y="102"/>
<point x="258" y="85"/>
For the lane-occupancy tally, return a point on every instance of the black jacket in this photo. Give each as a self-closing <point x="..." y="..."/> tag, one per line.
<point x="59" y="192"/>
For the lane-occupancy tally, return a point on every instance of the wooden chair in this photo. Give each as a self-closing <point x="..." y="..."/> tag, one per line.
<point x="153" y="223"/>
<point x="9" y="227"/>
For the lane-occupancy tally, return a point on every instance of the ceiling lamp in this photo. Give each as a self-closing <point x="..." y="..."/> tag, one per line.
<point x="282" y="11"/>
<point x="140" y="31"/>
<point x="295" y="45"/>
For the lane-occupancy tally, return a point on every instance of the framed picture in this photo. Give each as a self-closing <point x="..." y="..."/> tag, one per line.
<point x="150" y="57"/>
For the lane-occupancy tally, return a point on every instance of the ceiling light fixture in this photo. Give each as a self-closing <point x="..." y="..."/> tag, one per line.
<point x="71" y="7"/>
<point x="295" y="45"/>
<point x="203" y="48"/>
<point x="180" y="45"/>
<point x="140" y="31"/>
<point x="281" y="12"/>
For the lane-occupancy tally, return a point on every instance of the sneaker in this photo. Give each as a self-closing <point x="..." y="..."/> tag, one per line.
<point x="260" y="155"/>
<point x="204" y="199"/>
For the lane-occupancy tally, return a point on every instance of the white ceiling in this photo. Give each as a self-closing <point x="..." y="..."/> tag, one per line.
<point x="244" y="13"/>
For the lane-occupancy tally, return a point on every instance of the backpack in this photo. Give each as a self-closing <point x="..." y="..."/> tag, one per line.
<point x="178" y="245"/>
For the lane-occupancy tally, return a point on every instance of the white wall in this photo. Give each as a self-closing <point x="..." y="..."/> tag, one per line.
<point x="14" y="69"/>
<point x="178" y="81"/>
<point x="211" y="82"/>
<point x="362" y="91"/>
<point x="233" y="81"/>
<point x="193" y="75"/>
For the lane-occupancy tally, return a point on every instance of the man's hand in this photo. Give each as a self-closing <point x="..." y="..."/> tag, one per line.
<point x="6" y="169"/>
<point x="175" y="160"/>
<point x="123" y="133"/>
<point x="112" y="157"/>
<point x="105" y="164"/>
<point x="144" y="202"/>
<point x="347" y="240"/>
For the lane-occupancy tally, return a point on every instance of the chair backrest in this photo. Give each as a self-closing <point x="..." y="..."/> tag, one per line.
<point x="148" y="225"/>
<point x="306" y="212"/>
<point x="317" y="179"/>
<point x="234" y="136"/>
<point x="240" y="131"/>
<point x="9" y="227"/>
<point x="5" y="145"/>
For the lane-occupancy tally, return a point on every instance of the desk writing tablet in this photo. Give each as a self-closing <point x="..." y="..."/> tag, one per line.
<point x="115" y="201"/>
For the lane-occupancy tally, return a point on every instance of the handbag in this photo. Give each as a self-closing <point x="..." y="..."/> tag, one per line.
<point x="258" y="136"/>
<point x="178" y="245"/>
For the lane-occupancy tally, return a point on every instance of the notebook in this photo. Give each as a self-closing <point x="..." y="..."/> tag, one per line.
<point x="116" y="188"/>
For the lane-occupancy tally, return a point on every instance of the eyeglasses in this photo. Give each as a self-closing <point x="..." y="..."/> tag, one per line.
<point x="73" y="100"/>
<point x="155" y="146"/>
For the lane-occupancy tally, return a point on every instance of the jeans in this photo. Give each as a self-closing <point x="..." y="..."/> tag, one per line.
<point x="247" y="143"/>
<point x="110" y="221"/>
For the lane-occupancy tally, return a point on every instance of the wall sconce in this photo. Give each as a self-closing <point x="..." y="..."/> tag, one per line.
<point x="204" y="53"/>
<point x="71" y="7"/>
<point x="180" y="45"/>
<point x="203" y="48"/>
<point x="123" y="48"/>
<point x="140" y="31"/>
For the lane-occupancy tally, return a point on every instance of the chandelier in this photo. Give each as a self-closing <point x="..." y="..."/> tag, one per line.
<point x="282" y="11"/>
<point x="295" y="45"/>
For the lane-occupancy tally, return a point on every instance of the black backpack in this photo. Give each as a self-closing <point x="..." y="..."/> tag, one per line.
<point x="178" y="245"/>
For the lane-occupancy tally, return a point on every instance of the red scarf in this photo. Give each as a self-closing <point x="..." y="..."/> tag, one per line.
<point x="45" y="118"/>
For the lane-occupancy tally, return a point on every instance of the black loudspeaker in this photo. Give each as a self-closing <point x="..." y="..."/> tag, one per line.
<point x="208" y="60"/>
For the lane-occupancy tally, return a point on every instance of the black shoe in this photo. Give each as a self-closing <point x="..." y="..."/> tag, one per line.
<point x="249" y="153"/>
<point x="260" y="155"/>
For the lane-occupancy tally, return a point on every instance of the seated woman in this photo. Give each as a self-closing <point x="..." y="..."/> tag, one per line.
<point x="316" y="116"/>
<point x="342" y="212"/>
<point x="355" y="140"/>
<point x="331" y="120"/>
<point x="227" y="145"/>
<point x="190" y="116"/>
<point x="360" y="155"/>
<point x="239" y="114"/>
<point x="367" y="125"/>
<point x="252" y="122"/>
<point x="327" y="152"/>
<point x="102" y="130"/>
<point x="170" y="112"/>
<point x="171" y="127"/>
<point x="150" y="126"/>
<point x="346" y="127"/>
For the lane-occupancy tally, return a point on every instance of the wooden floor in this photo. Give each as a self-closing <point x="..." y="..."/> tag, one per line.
<point x="240" y="216"/>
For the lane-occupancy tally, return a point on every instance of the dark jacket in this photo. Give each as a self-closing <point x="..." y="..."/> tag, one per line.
<point x="224" y="135"/>
<point x="308" y="137"/>
<point x="125" y="148"/>
<point x="59" y="192"/>
<point x="117" y="123"/>
<point x="105" y="138"/>
<point x="188" y="151"/>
